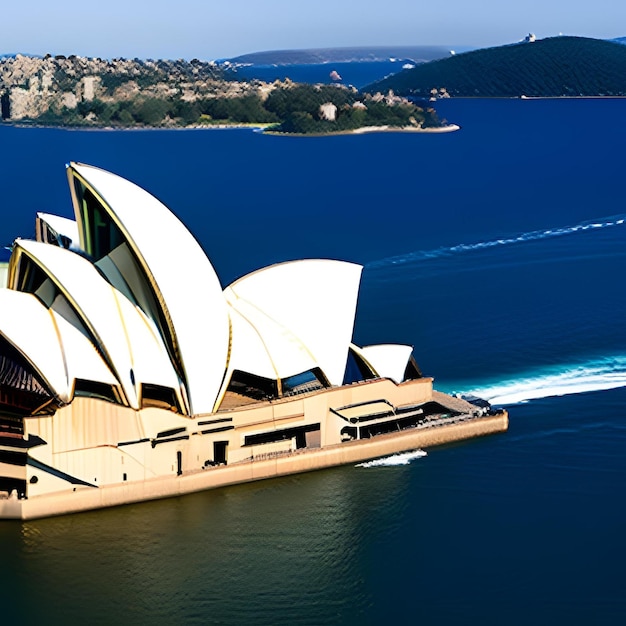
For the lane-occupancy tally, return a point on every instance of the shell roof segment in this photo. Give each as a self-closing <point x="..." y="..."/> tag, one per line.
<point x="129" y="315"/>
<point x="120" y="331"/>
<point x="389" y="360"/>
<point x="192" y="308"/>
<point x="315" y="299"/>
<point x="64" y="231"/>
<point x="262" y="347"/>
<point x="37" y="341"/>
<point x="82" y="359"/>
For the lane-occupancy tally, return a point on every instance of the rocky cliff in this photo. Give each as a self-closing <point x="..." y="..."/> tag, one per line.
<point x="34" y="87"/>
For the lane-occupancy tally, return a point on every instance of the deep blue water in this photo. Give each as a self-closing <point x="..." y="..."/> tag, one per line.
<point x="498" y="252"/>
<point x="357" y="74"/>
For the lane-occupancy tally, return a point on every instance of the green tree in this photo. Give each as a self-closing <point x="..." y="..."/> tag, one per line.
<point x="150" y="111"/>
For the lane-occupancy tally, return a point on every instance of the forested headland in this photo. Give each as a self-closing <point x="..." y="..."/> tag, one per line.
<point x="80" y="92"/>
<point x="553" y="67"/>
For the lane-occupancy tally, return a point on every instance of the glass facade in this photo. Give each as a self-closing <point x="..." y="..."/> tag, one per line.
<point x="101" y="234"/>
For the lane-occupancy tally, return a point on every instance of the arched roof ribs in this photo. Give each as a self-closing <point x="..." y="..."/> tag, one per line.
<point x="57" y="349"/>
<point x="315" y="299"/>
<point x="22" y="390"/>
<point x="127" y="339"/>
<point x="123" y="268"/>
<point x="28" y="274"/>
<point x="190" y="309"/>
<point x="32" y="358"/>
<point x="57" y="231"/>
<point x="389" y="360"/>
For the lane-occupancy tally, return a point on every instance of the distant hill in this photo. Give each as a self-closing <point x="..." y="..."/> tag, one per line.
<point x="12" y="55"/>
<point x="342" y="55"/>
<point x="621" y="40"/>
<point x="553" y="67"/>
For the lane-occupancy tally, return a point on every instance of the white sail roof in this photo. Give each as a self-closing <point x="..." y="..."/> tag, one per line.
<point x="314" y="299"/>
<point x="82" y="360"/>
<point x="124" y="336"/>
<point x="62" y="226"/>
<point x="248" y="352"/>
<point x="183" y="279"/>
<point x="389" y="360"/>
<point x="30" y="327"/>
<point x="263" y="347"/>
<point x="56" y="349"/>
<point x="151" y="362"/>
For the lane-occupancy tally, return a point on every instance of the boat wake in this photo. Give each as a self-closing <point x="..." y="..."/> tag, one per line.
<point x="403" y="458"/>
<point x="597" y="375"/>
<point x="537" y="235"/>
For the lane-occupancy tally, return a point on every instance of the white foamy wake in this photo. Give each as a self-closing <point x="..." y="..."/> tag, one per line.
<point x="597" y="375"/>
<point x="403" y="458"/>
<point x="537" y="235"/>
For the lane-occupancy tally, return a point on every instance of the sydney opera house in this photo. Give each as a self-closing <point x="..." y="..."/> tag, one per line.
<point x="127" y="374"/>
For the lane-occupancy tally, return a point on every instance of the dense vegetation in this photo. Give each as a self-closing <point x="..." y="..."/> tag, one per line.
<point x="81" y="91"/>
<point x="558" y="66"/>
<point x="157" y="111"/>
<point x="291" y="108"/>
<point x="299" y="108"/>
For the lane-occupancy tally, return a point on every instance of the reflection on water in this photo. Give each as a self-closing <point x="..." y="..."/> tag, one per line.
<point x="352" y="545"/>
<point x="247" y="554"/>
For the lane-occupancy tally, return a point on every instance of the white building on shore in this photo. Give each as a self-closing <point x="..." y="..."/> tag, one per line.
<point x="127" y="374"/>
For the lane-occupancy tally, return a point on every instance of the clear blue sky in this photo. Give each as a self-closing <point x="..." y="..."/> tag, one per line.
<point x="210" y="29"/>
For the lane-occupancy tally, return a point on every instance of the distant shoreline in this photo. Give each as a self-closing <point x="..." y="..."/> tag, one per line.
<point x="229" y="126"/>
<point x="263" y="128"/>
<point x="371" y="129"/>
<point x="448" y="128"/>
<point x="525" y="97"/>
